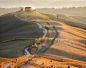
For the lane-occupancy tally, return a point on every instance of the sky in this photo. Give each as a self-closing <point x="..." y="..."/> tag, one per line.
<point x="42" y="3"/>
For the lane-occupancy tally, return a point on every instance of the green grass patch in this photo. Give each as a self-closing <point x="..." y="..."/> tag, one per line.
<point x="14" y="49"/>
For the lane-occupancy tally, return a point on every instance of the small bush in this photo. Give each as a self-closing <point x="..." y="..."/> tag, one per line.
<point x="43" y="39"/>
<point x="48" y="34"/>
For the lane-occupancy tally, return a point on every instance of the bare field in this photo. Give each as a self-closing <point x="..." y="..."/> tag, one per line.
<point x="69" y="45"/>
<point x="69" y="48"/>
<point x="64" y="32"/>
<point x="62" y="48"/>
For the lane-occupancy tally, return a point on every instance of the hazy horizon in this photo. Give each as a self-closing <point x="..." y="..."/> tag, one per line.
<point x="42" y="3"/>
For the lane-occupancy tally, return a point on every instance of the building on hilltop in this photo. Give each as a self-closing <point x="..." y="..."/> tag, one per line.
<point x="28" y="8"/>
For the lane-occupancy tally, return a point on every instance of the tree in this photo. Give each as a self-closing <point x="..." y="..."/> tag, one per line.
<point x="57" y="16"/>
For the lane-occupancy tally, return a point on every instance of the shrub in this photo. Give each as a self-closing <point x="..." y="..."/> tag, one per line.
<point x="48" y="34"/>
<point x="57" y="16"/>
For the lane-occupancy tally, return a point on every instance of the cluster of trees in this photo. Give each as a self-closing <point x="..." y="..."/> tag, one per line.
<point x="81" y="11"/>
<point x="62" y="8"/>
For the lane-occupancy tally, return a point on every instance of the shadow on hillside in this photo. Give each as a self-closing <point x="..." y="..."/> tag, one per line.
<point x="14" y="28"/>
<point x="66" y="54"/>
<point x="51" y="43"/>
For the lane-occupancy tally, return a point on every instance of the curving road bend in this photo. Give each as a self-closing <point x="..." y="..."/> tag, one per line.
<point x="28" y="54"/>
<point x="44" y="30"/>
<point x="44" y="33"/>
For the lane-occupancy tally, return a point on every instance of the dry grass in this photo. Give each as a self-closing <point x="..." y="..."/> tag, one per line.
<point x="32" y="15"/>
<point x="20" y="63"/>
<point x="5" y="59"/>
<point x="43" y="39"/>
<point x="69" y="49"/>
<point x="48" y="34"/>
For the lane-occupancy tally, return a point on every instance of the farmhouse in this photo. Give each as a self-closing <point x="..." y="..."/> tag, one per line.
<point x="28" y="8"/>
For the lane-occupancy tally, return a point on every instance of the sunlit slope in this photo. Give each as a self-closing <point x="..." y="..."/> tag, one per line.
<point x="62" y="16"/>
<point x="69" y="45"/>
<point x="65" y="46"/>
<point x="32" y="15"/>
<point x="5" y="59"/>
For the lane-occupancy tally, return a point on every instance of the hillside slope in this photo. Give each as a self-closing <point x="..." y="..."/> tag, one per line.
<point x="65" y="46"/>
<point x="68" y="20"/>
<point x="15" y="34"/>
<point x="14" y="28"/>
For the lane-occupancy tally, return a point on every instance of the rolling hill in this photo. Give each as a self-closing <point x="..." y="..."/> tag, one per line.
<point x="64" y="47"/>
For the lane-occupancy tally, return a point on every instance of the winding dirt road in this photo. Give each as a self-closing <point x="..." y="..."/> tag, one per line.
<point x="26" y="49"/>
